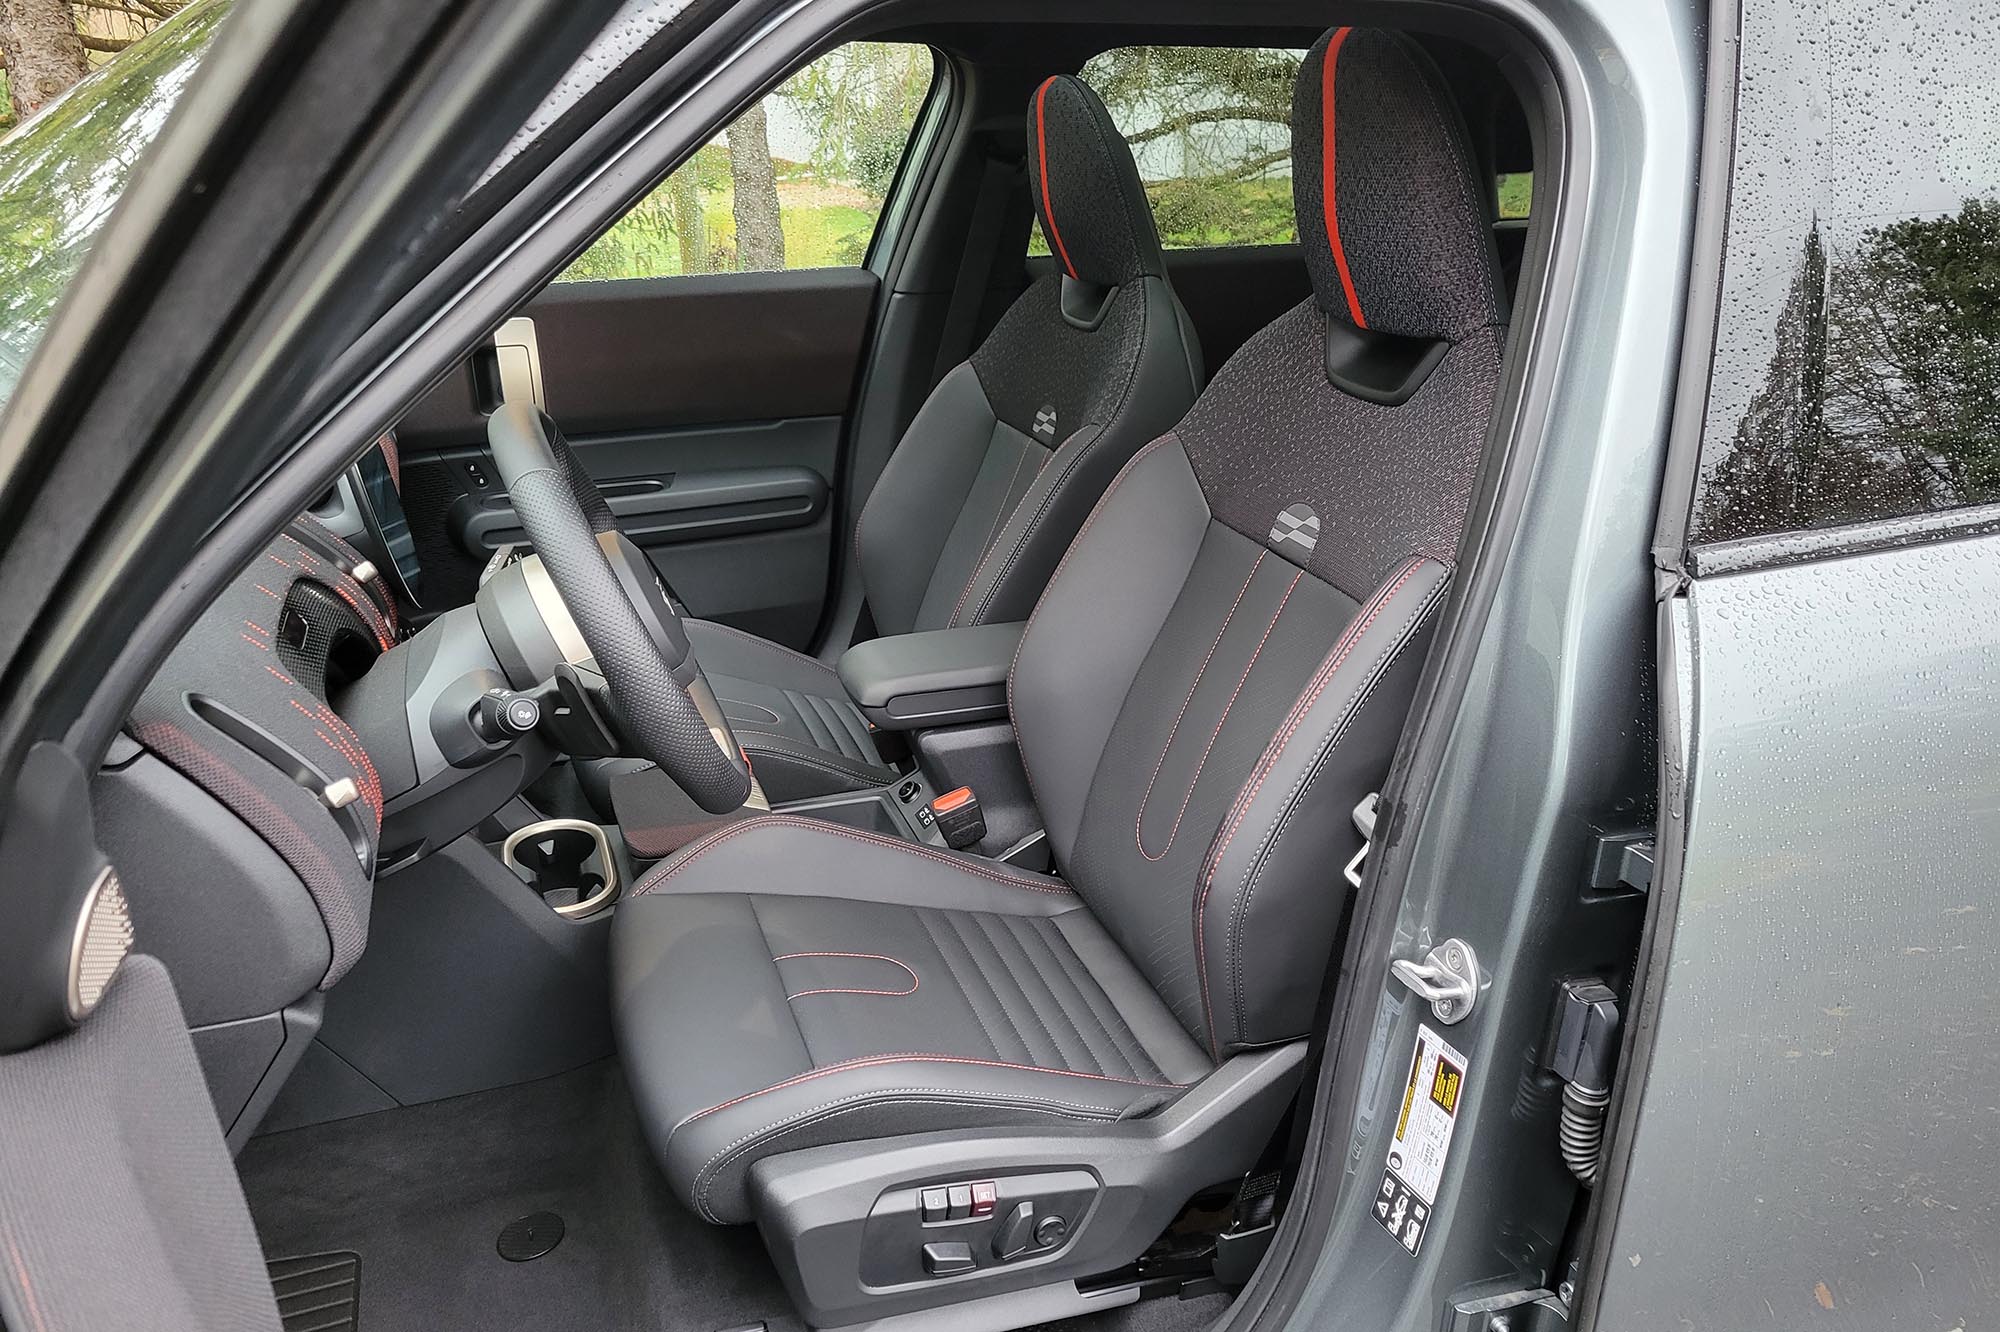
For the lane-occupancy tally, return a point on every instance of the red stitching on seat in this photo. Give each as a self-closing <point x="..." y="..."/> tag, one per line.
<point x="15" y="1261"/>
<point x="661" y="873"/>
<point x="915" y="983"/>
<point x="986" y="550"/>
<point x="873" y="1061"/>
<point x="1028" y="629"/>
<point x="1139" y="819"/>
<point x="1363" y="618"/>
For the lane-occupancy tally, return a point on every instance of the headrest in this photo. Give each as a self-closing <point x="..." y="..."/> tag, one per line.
<point x="1094" y="211"/>
<point x="1391" y="206"/>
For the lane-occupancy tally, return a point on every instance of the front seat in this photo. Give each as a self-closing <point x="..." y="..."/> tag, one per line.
<point x="1003" y="461"/>
<point x="1216" y="674"/>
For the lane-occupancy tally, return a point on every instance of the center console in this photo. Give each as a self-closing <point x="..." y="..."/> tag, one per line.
<point x="944" y="694"/>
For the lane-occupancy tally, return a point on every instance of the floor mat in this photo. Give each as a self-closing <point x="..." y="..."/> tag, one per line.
<point x="320" y="1292"/>
<point x="419" y="1196"/>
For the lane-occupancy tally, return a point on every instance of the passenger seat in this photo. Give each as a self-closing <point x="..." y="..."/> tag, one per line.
<point x="1003" y="462"/>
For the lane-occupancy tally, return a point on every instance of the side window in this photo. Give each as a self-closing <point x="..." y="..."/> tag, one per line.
<point x="1210" y="128"/>
<point x="1516" y="190"/>
<point x="1856" y="370"/>
<point x="797" y="182"/>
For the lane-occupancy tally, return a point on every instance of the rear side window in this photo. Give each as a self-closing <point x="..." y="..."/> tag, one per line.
<point x="1210" y="128"/>
<point x="798" y="181"/>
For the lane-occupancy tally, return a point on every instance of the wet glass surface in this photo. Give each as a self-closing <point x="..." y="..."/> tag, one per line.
<point x="61" y="172"/>
<point x="1857" y="362"/>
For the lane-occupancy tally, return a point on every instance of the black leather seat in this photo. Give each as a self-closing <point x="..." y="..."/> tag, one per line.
<point x="1004" y="460"/>
<point x="1217" y="672"/>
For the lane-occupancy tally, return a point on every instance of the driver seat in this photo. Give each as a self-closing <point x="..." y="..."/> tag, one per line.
<point x="1217" y="673"/>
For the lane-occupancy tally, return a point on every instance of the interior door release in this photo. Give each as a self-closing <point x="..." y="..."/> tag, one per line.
<point x="1448" y="976"/>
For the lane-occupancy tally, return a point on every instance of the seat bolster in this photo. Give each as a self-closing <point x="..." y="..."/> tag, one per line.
<point x="910" y="513"/>
<point x="1096" y="622"/>
<point x="724" y="650"/>
<point x="803" y="735"/>
<point x="881" y="1096"/>
<point x="1164" y="381"/>
<point x="786" y="855"/>
<point x="1269" y="895"/>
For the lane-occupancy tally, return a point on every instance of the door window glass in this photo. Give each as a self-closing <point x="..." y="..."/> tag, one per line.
<point x="798" y="181"/>
<point x="1856" y="370"/>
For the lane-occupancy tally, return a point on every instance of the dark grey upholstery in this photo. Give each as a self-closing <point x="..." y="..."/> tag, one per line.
<point x="119" y="1207"/>
<point x="803" y="734"/>
<point x="1217" y="672"/>
<point x="869" y="987"/>
<point x="1004" y="460"/>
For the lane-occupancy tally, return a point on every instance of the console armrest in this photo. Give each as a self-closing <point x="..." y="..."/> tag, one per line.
<point x="942" y="677"/>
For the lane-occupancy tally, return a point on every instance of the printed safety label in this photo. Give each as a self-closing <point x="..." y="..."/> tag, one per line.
<point x="1417" y="1149"/>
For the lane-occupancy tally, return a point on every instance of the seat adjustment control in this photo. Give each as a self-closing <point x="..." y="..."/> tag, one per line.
<point x="947" y="1258"/>
<point x="1016" y="1234"/>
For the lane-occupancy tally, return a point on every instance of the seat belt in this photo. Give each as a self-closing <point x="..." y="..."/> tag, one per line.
<point x="990" y="211"/>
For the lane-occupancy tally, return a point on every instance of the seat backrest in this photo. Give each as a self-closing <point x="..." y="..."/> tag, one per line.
<point x="1222" y="664"/>
<point x="1014" y="446"/>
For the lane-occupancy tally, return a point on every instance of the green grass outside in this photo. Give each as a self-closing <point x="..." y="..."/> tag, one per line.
<point x="644" y="244"/>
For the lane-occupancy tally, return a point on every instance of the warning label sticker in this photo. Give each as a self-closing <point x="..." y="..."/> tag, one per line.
<point x="1423" y="1136"/>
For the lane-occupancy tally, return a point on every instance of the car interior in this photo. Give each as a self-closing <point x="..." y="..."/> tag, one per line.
<point x="831" y="796"/>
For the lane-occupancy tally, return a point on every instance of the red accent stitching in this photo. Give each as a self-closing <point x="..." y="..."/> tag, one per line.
<point x="255" y="642"/>
<point x="1028" y="629"/>
<point x="873" y="1061"/>
<point x="1327" y="176"/>
<point x="1042" y="154"/>
<point x="20" y="1267"/>
<point x="1210" y="746"/>
<point x="873" y="957"/>
<point x="661" y="873"/>
<point x="986" y="549"/>
<point x="1140" y="818"/>
<point x="1363" y="618"/>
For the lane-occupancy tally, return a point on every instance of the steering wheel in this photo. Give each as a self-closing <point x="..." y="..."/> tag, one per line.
<point x="665" y="708"/>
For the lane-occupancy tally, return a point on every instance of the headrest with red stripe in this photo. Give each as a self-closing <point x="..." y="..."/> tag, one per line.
<point x="1391" y="207"/>
<point x="1087" y="193"/>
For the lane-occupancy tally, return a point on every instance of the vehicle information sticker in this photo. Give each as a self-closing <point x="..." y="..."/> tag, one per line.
<point x="1423" y="1136"/>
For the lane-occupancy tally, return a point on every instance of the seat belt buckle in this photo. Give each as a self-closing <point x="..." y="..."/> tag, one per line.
<point x="957" y="817"/>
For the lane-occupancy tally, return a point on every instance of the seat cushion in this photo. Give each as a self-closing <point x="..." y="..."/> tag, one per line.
<point x="803" y="735"/>
<point x="852" y="986"/>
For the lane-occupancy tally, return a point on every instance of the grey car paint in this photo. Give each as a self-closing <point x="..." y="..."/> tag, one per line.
<point x="1818" y="1127"/>
<point x="1549" y="733"/>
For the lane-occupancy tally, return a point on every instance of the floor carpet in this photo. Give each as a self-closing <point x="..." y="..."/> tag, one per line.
<point x="421" y="1194"/>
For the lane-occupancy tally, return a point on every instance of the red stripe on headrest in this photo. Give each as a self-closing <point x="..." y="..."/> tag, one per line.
<point x="1327" y="177"/>
<point x="1042" y="156"/>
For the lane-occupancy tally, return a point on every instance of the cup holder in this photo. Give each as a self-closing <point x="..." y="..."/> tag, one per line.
<point x="567" y="862"/>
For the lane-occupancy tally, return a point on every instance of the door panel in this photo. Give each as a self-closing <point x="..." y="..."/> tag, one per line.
<point x="711" y="410"/>
<point x="1823" y="1045"/>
